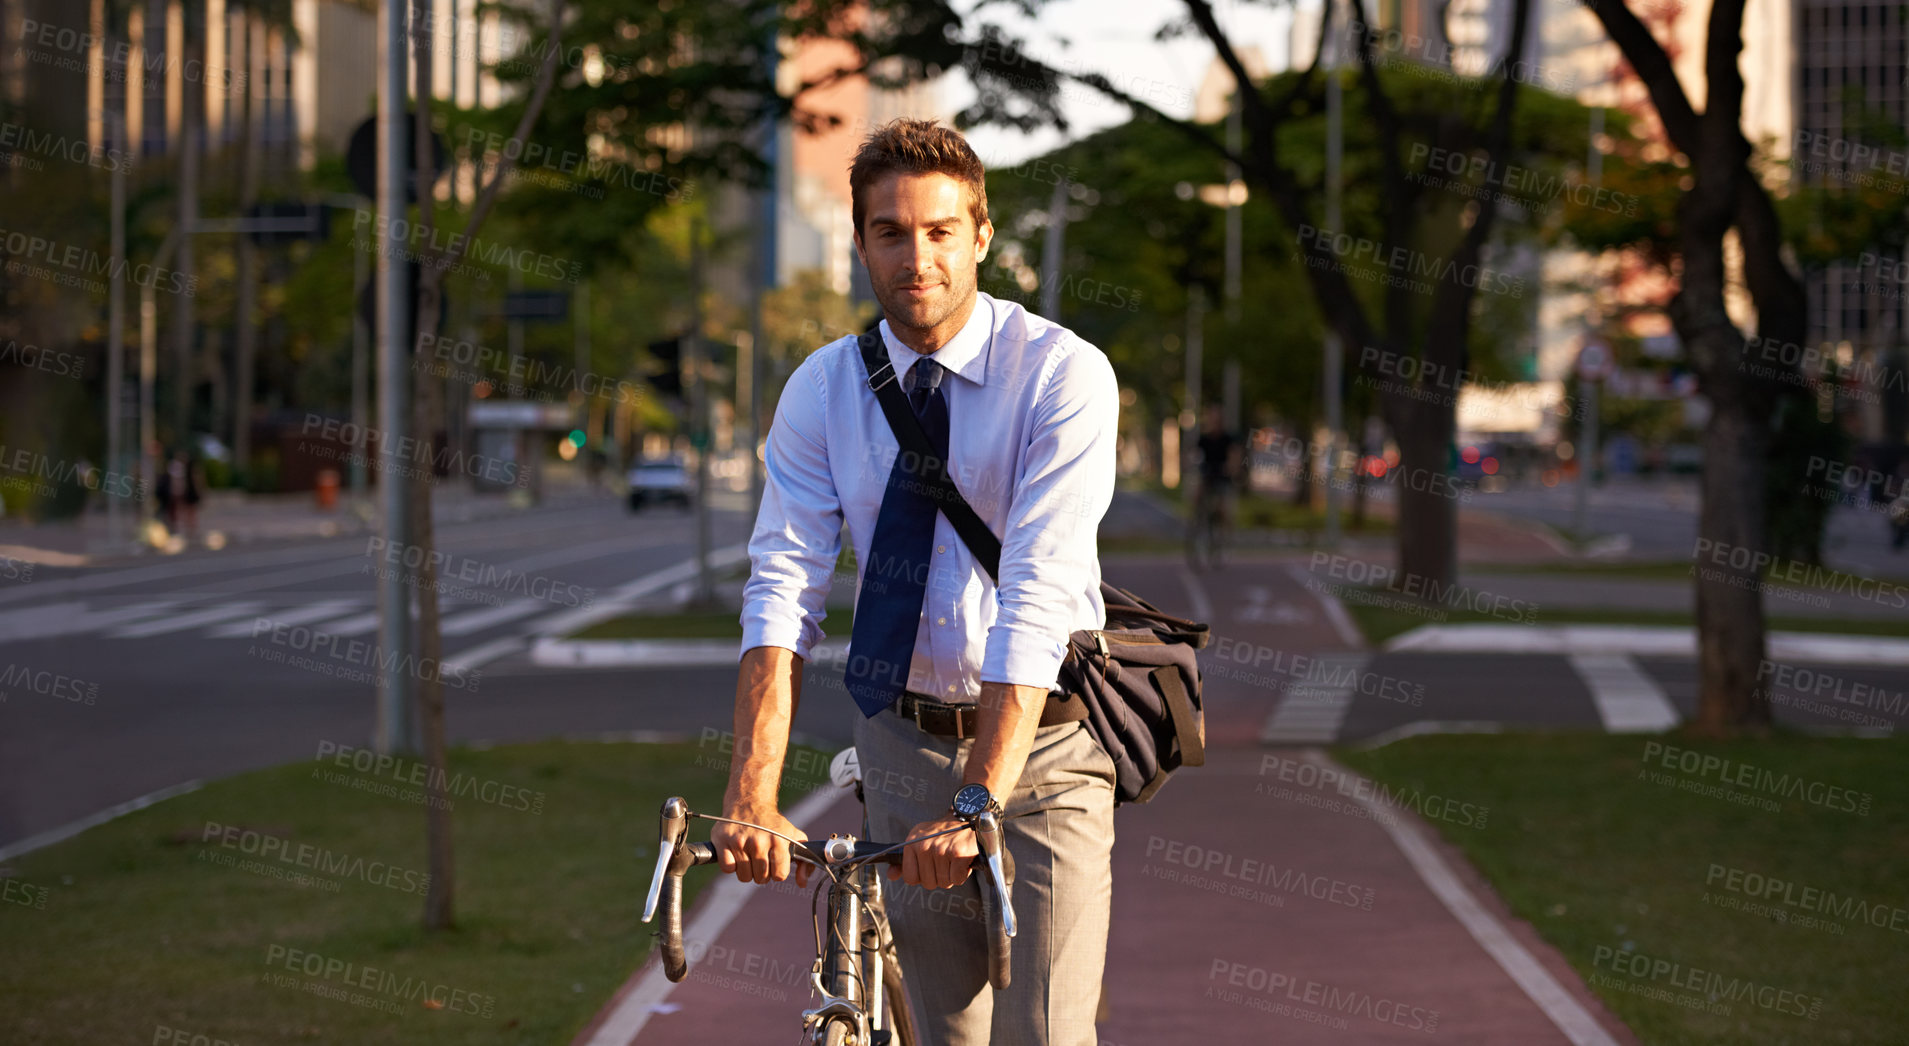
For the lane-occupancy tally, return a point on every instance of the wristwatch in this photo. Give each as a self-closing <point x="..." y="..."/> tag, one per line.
<point x="972" y="800"/>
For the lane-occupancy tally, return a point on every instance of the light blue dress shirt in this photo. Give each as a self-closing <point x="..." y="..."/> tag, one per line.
<point x="1033" y="412"/>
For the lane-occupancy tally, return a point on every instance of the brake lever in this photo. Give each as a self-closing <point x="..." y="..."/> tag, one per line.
<point x="673" y="825"/>
<point x="987" y="833"/>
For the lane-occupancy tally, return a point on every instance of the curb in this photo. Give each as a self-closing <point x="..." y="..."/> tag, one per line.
<point x="1639" y="640"/>
<point x="651" y="653"/>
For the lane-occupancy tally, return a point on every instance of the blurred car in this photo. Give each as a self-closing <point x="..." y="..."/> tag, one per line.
<point x="658" y="482"/>
<point x="1479" y="465"/>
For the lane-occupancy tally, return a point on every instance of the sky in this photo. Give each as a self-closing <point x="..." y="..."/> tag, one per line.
<point x="1115" y="38"/>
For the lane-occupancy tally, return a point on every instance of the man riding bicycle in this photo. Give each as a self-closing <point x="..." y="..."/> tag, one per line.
<point x="1220" y="454"/>
<point x="954" y="678"/>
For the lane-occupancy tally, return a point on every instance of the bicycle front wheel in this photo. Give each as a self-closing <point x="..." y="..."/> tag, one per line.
<point x="895" y="1000"/>
<point x="837" y="1033"/>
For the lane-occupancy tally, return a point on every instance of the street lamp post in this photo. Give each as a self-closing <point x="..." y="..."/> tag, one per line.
<point x="397" y="725"/>
<point x="1335" y="353"/>
<point x="116" y="336"/>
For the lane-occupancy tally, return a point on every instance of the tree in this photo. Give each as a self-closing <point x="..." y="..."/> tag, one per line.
<point x="427" y="418"/>
<point x="1425" y="229"/>
<point x="1723" y="194"/>
<point x="655" y="73"/>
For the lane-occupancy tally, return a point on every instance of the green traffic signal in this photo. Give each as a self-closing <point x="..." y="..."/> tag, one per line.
<point x="576" y="437"/>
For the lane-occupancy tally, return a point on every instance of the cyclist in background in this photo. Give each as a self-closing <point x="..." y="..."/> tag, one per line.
<point x="1221" y="453"/>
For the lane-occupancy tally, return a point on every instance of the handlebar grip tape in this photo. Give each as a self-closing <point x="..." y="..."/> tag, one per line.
<point x="675" y="964"/>
<point x="1000" y="948"/>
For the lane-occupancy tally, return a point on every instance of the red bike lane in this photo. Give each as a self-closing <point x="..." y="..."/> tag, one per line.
<point x="1264" y="898"/>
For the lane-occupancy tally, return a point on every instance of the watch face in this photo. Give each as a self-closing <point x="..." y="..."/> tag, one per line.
<point x="972" y="800"/>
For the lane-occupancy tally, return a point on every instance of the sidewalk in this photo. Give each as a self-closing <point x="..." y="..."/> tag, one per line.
<point x="1262" y="898"/>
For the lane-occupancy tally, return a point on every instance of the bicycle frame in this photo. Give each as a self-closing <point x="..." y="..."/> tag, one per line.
<point x="849" y="974"/>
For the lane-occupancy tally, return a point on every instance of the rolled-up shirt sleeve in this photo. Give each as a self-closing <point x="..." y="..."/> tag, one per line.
<point x="798" y="531"/>
<point x="1048" y="554"/>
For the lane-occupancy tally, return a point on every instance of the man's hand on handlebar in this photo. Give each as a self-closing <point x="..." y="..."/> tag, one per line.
<point x="753" y="855"/>
<point x="939" y="863"/>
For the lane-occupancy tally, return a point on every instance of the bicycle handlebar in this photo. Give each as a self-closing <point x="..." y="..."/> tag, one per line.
<point x="676" y="855"/>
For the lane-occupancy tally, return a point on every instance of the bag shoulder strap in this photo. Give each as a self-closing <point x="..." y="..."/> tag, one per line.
<point x="886" y="384"/>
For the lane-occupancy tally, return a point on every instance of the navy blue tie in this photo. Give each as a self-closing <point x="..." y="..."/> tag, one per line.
<point x="895" y="578"/>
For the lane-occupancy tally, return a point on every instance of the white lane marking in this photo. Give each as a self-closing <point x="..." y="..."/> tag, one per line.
<point x="655" y="653"/>
<point x="68" y="831"/>
<point x="1349" y="633"/>
<point x="1430" y="726"/>
<point x="1628" y="700"/>
<point x="649" y="989"/>
<point x="304" y="615"/>
<point x="619" y="599"/>
<point x="1312" y="713"/>
<point x="192" y="619"/>
<point x="1538" y="984"/>
<point x="466" y="661"/>
<point x="1642" y="641"/>
<point x="54" y="619"/>
<point x="161" y="572"/>
<point x="352" y="626"/>
<point x="476" y="620"/>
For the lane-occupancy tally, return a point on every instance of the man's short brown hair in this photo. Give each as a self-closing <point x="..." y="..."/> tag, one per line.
<point x="916" y="147"/>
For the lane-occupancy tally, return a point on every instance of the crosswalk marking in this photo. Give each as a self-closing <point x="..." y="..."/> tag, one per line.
<point x="1313" y="713"/>
<point x="181" y="622"/>
<point x="291" y="616"/>
<point x="358" y="624"/>
<point x="475" y="620"/>
<point x="1628" y="700"/>
<point x="136" y="612"/>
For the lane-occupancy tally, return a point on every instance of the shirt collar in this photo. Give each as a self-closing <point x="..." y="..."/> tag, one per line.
<point x="965" y="354"/>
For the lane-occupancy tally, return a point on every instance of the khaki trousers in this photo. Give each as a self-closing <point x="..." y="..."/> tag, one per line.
<point x="1060" y="831"/>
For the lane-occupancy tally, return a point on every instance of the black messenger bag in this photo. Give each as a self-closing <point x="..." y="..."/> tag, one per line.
<point x="1139" y="676"/>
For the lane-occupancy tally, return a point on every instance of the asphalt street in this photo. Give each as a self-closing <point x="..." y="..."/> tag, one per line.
<point x="1659" y="517"/>
<point x="120" y="681"/>
<point x="124" y="680"/>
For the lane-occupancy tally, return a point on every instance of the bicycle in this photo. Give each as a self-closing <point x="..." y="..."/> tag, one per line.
<point x="863" y="992"/>
<point x="1206" y="524"/>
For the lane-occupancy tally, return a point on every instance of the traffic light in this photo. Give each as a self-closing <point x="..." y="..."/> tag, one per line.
<point x="577" y="437"/>
<point x="669" y="353"/>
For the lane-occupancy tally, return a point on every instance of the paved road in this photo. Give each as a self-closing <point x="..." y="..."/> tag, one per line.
<point x="1660" y="518"/>
<point x="121" y="681"/>
<point x="182" y="689"/>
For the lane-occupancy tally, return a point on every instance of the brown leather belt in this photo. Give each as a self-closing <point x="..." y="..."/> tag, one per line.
<point x="963" y="720"/>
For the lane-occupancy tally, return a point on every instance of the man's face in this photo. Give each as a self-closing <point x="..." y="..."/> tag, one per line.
<point x="921" y="248"/>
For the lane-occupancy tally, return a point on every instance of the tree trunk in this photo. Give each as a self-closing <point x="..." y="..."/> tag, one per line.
<point x="1730" y="623"/>
<point x="428" y="409"/>
<point x="1428" y="495"/>
<point x="440" y="899"/>
<point x="1356" y="520"/>
<point x="1732" y="535"/>
<point x="1730" y="553"/>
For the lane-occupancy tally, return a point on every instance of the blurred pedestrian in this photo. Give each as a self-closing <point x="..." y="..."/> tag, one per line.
<point x="167" y="495"/>
<point x="179" y="489"/>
